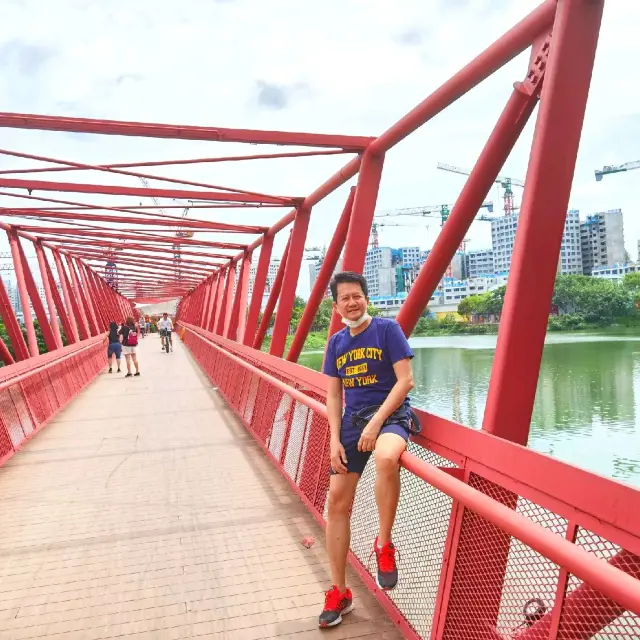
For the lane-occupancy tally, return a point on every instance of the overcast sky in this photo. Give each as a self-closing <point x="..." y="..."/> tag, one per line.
<point x="338" y="66"/>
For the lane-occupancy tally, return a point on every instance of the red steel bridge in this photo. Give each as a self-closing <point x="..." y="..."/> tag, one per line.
<point x="175" y="507"/>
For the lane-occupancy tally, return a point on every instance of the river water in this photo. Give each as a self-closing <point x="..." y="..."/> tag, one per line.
<point x="587" y="409"/>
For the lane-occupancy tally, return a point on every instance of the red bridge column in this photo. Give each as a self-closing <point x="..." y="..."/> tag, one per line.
<point x="258" y="290"/>
<point x="290" y="281"/>
<point x="238" y="314"/>
<point x="76" y="301"/>
<point x="46" y="284"/>
<point x="68" y="300"/>
<point x="523" y="326"/>
<point x="322" y="281"/>
<point x="364" y="206"/>
<point x="11" y="324"/>
<point x="32" y="341"/>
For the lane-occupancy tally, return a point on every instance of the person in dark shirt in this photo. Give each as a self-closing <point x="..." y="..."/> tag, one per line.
<point x="129" y="345"/>
<point x="114" y="348"/>
<point x="370" y="361"/>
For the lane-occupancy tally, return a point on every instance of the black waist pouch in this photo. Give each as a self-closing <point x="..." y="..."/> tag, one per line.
<point x="404" y="416"/>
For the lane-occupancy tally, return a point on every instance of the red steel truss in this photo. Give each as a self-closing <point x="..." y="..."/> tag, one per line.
<point x="488" y="525"/>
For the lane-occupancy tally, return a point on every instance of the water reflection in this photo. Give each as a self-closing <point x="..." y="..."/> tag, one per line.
<point x="586" y="403"/>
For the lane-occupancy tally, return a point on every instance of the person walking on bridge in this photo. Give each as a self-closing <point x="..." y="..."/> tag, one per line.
<point x="114" y="349"/>
<point x="370" y="360"/>
<point x="129" y="345"/>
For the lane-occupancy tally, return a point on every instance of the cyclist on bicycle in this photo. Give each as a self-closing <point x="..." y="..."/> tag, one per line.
<point x="166" y="327"/>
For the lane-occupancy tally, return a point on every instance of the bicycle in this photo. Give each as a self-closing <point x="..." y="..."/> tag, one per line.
<point x="165" y="336"/>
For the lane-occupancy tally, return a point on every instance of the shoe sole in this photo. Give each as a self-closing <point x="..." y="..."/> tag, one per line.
<point x="338" y="620"/>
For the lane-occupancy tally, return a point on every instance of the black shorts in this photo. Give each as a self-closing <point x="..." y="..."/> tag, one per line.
<point x="349" y="437"/>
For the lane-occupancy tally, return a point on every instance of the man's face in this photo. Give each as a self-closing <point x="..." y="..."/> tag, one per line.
<point x="165" y="316"/>
<point x="351" y="303"/>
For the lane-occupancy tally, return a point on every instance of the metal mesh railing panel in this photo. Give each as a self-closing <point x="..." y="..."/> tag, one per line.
<point x="420" y="533"/>
<point x="586" y="612"/>
<point x="29" y="403"/>
<point x="496" y="575"/>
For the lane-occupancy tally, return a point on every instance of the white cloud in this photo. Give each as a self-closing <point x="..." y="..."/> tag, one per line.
<point x="341" y="66"/>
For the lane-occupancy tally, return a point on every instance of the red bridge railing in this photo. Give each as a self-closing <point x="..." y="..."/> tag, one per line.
<point x="570" y="567"/>
<point x="32" y="392"/>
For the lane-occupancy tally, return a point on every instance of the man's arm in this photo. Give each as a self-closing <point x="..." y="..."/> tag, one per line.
<point x="399" y="391"/>
<point x="337" y="453"/>
<point x="334" y="407"/>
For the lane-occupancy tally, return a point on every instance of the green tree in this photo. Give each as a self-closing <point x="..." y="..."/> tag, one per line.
<point x="597" y="300"/>
<point x="495" y="301"/>
<point x="297" y="311"/>
<point x="323" y="315"/>
<point x="473" y="306"/>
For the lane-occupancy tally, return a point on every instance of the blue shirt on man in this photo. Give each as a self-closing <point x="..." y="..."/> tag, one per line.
<point x="365" y="362"/>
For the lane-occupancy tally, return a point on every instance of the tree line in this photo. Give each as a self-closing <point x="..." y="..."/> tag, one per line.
<point x="578" y="302"/>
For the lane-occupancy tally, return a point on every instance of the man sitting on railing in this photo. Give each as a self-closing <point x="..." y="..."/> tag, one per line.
<point x="371" y="360"/>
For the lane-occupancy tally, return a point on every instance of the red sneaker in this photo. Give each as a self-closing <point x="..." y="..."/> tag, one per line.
<point x="387" y="577"/>
<point x="336" y="604"/>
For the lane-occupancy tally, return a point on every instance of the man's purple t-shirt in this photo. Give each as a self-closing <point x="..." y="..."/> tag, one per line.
<point x="365" y="362"/>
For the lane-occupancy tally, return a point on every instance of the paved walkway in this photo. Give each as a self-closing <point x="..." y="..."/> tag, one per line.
<point x="146" y="511"/>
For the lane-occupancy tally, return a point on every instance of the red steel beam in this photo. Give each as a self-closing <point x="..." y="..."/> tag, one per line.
<point x="138" y="247"/>
<point x="505" y="134"/>
<point x="130" y="258"/>
<point x="161" y="267"/>
<point x="36" y="302"/>
<point x="10" y="321"/>
<point x="46" y="285"/>
<point x="149" y="238"/>
<point x="273" y="298"/>
<point x="142" y="192"/>
<point x="164" y="163"/>
<point x="14" y="244"/>
<point x="516" y="365"/>
<point x="238" y="314"/>
<point x="5" y="354"/>
<point x="258" y="290"/>
<point x="182" y="132"/>
<point x="151" y="219"/>
<point x="74" y="319"/>
<point x="322" y="281"/>
<point x="137" y="207"/>
<point x="290" y="282"/>
<point x="134" y="174"/>
<point x="510" y="45"/>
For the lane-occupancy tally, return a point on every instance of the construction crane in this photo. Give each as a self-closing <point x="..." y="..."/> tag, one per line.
<point x="180" y="233"/>
<point x="433" y="211"/>
<point x="374" y="237"/>
<point x="505" y="183"/>
<point x="616" y="168"/>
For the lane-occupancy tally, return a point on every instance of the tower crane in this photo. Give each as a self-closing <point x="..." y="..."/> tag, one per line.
<point x="504" y="182"/>
<point x="430" y="211"/>
<point x="616" y="168"/>
<point x="180" y="233"/>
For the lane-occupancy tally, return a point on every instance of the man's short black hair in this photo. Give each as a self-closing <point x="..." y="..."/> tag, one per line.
<point x="347" y="276"/>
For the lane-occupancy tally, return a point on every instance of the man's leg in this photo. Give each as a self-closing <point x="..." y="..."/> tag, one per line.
<point x="389" y="448"/>
<point x="338" y="600"/>
<point x="342" y="489"/>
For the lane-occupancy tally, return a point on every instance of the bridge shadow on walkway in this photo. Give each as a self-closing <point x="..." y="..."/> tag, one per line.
<point x="145" y="510"/>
